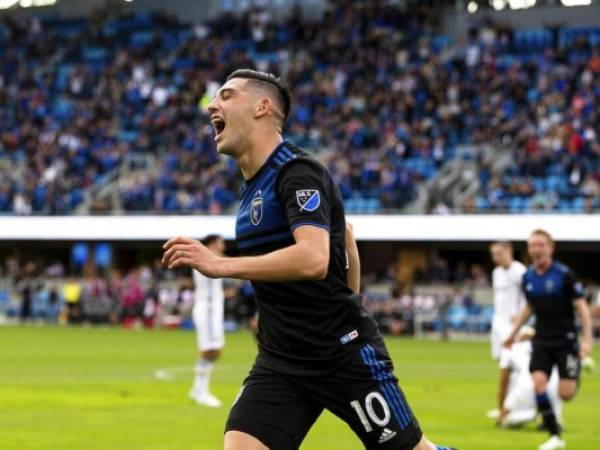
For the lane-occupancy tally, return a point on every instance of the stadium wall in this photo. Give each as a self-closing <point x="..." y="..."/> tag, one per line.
<point x="431" y="228"/>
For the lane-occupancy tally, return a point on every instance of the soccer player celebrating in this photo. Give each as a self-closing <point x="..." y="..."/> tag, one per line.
<point x="508" y="301"/>
<point x="553" y="295"/>
<point x="317" y="346"/>
<point x="208" y="320"/>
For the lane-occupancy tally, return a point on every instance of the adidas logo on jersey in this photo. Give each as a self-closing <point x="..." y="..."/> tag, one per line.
<point x="386" y="435"/>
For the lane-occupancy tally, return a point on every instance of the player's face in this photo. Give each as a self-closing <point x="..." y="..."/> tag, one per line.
<point x="539" y="247"/>
<point x="500" y="255"/>
<point x="217" y="247"/>
<point x="231" y="116"/>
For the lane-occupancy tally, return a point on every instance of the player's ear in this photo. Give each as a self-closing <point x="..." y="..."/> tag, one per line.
<point x="263" y="107"/>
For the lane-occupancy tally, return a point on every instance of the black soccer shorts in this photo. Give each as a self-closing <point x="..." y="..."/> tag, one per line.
<point x="279" y="409"/>
<point x="564" y="355"/>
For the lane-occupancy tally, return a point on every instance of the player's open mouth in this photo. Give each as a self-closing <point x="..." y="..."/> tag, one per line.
<point x="219" y="126"/>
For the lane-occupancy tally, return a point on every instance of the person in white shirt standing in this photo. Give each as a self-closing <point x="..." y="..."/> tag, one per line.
<point x="508" y="301"/>
<point x="208" y="321"/>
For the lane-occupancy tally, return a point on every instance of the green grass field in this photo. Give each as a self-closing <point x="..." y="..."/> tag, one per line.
<point x="94" y="388"/>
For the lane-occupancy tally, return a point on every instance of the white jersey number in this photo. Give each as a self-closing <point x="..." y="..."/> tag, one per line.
<point x="369" y="399"/>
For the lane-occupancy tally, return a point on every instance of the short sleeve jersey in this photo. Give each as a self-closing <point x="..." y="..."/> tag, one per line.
<point x="305" y="327"/>
<point x="551" y="297"/>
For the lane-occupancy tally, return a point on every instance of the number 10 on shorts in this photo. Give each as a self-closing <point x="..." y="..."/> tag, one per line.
<point x="371" y="413"/>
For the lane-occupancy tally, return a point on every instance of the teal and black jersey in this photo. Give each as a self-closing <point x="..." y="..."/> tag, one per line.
<point x="305" y="327"/>
<point x="551" y="297"/>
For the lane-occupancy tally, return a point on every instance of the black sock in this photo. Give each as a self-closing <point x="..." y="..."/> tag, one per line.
<point x="545" y="409"/>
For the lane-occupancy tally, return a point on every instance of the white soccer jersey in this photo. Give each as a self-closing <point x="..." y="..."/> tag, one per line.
<point x="508" y="300"/>
<point x="508" y="296"/>
<point x="208" y="312"/>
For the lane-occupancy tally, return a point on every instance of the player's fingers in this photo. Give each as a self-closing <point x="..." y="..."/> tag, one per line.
<point x="177" y="240"/>
<point x="180" y="261"/>
<point x="168" y="255"/>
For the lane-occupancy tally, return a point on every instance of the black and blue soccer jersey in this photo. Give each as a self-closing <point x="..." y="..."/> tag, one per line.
<point x="551" y="297"/>
<point x="305" y="327"/>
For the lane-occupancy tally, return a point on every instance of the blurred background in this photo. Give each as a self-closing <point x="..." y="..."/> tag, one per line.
<point x="446" y="124"/>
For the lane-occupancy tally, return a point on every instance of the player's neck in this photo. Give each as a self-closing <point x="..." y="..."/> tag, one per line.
<point x="543" y="265"/>
<point x="258" y="151"/>
<point x="507" y="265"/>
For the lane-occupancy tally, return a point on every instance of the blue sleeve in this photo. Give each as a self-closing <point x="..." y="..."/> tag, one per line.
<point x="573" y="288"/>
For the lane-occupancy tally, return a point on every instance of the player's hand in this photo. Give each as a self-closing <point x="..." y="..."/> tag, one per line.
<point x="182" y="251"/>
<point x="509" y="342"/>
<point x="585" y="349"/>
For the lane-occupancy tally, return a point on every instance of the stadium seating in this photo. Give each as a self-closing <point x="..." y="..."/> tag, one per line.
<point x="74" y="114"/>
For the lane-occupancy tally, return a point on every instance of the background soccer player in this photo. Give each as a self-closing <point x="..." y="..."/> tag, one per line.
<point x="553" y="295"/>
<point x="520" y="407"/>
<point x="508" y="301"/>
<point x="317" y="346"/>
<point x="208" y="321"/>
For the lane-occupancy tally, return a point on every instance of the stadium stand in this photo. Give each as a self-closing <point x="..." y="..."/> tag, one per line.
<point x="104" y="115"/>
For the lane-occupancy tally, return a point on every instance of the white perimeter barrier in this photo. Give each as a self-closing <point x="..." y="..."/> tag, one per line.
<point x="564" y="227"/>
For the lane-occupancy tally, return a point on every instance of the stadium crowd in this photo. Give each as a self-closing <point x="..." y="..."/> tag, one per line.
<point x="380" y="96"/>
<point x="440" y="299"/>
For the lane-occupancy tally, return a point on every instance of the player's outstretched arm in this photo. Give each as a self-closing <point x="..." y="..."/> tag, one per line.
<point x="307" y="259"/>
<point x="520" y="320"/>
<point x="353" y="259"/>
<point x="583" y="310"/>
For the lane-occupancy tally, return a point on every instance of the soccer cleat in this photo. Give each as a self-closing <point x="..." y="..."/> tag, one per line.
<point x="493" y="413"/>
<point x="554" y="443"/>
<point x="208" y="400"/>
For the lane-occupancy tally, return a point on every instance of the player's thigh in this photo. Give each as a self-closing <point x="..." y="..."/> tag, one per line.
<point x="365" y="394"/>
<point x="542" y="361"/>
<point x="273" y="410"/>
<point x="236" y="440"/>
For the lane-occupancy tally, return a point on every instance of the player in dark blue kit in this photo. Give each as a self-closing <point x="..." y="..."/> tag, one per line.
<point x="554" y="295"/>
<point x="317" y="347"/>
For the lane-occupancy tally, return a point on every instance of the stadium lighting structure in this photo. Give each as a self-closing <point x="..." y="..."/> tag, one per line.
<point x="472" y="7"/>
<point x="576" y="2"/>
<point x="5" y="4"/>
<point x="498" y="5"/>
<point x="521" y="4"/>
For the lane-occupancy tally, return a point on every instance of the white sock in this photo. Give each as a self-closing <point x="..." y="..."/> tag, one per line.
<point x="202" y="372"/>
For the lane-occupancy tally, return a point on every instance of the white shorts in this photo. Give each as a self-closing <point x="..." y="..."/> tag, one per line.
<point x="208" y="321"/>
<point x="500" y="333"/>
<point x="521" y="397"/>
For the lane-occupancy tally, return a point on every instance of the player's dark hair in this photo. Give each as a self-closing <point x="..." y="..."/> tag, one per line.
<point x="210" y="238"/>
<point x="505" y="244"/>
<point x="283" y="96"/>
<point x="541" y="232"/>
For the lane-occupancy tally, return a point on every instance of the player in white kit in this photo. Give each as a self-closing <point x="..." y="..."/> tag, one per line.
<point x="520" y="405"/>
<point x="508" y="301"/>
<point x="208" y="321"/>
